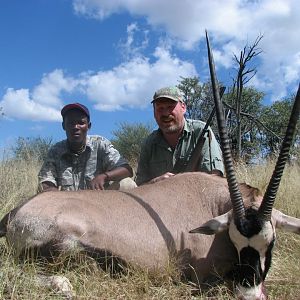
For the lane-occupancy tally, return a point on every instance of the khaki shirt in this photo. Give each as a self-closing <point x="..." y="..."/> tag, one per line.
<point x="71" y="172"/>
<point x="157" y="157"/>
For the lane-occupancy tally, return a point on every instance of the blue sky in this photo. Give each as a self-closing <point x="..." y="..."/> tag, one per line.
<point x="113" y="55"/>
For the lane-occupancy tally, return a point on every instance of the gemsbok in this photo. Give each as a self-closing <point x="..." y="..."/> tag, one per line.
<point x="151" y="224"/>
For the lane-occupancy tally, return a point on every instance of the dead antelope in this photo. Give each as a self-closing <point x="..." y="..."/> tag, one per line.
<point x="251" y="228"/>
<point x="150" y="225"/>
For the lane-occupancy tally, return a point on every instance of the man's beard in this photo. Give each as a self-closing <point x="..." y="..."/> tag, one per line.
<point x="170" y="128"/>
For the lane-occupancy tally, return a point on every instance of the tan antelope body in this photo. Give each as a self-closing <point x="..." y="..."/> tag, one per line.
<point x="145" y="226"/>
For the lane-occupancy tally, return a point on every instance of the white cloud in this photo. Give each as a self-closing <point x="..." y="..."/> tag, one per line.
<point x="49" y="90"/>
<point x="132" y="84"/>
<point x="184" y="20"/>
<point x="17" y="104"/>
<point x="95" y="9"/>
<point x="134" y="44"/>
<point x="43" y="104"/>
<point x="292" y="72"/>
<point x="231" y="24"/>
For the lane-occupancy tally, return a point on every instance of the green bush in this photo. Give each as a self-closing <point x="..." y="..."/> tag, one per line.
<point x="129" y="138"/>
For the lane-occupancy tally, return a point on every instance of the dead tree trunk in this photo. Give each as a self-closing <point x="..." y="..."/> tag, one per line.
<point x="244" y="75"/>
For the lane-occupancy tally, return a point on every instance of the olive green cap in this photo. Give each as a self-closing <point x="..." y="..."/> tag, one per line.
<point x="171" y="92"/>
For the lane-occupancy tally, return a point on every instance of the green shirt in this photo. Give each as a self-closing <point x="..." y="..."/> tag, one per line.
<point x="70" y="171"/>
<point x="157" y="157"/>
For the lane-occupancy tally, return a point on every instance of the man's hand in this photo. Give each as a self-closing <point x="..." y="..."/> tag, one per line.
<point x="216" y="172"/>
<point x="98" y="182"/>
<point x="161" y="177"/>
<point x="48" y="186"/>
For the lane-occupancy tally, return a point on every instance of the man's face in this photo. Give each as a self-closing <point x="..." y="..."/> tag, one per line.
<point x="169" y="115"/>
<point x="76" y="125"/>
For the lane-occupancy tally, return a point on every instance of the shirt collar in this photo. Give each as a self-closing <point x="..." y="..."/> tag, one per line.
<point x="89" y="145"/>
<point x="187" y="127"/>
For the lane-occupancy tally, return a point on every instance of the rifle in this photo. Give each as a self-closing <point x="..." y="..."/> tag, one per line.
<point x="196" y="156"/>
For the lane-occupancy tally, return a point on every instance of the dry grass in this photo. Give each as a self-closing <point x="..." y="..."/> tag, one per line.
<point x="283" y="281"/>
<point x="17" y="281"/>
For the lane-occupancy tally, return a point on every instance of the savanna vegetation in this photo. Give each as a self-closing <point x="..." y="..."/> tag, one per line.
<point x="18" y="181"/>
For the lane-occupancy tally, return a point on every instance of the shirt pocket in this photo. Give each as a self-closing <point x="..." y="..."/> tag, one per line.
<point x="66" y="181"/>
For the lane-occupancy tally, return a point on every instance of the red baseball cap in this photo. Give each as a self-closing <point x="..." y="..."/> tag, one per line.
<point x="78" y="106"/>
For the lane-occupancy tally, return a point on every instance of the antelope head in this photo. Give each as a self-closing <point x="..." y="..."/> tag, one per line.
<point x="251" y="229"/>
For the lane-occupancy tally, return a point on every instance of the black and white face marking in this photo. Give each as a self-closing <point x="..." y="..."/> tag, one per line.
<point x="253" y="240"/>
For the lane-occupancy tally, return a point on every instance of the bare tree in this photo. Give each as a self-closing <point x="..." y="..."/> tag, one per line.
<point x="244" y="75"/>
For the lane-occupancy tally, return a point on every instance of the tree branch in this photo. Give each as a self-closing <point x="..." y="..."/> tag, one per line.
<point x="254" y="119"/>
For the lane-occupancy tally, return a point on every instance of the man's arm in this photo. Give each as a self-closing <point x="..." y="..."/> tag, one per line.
<point x="116" y="174"/>
<point x="48" y="186"/>
<point x="48" y="174"/>
<point x="216" y="172"/>
<point x="111" y="166"/>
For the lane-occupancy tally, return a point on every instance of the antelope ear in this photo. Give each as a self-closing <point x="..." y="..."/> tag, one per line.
<point x="215" y="225"/>
<point x="285" y="222"/>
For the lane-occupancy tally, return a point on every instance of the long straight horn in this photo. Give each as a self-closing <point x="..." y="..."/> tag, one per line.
<point x="266" y="206"/>
<point x="235" y="194"/>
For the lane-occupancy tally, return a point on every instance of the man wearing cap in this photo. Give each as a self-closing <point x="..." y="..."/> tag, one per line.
<point x="167" y="149"/>
<point x="82" y="161"/>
